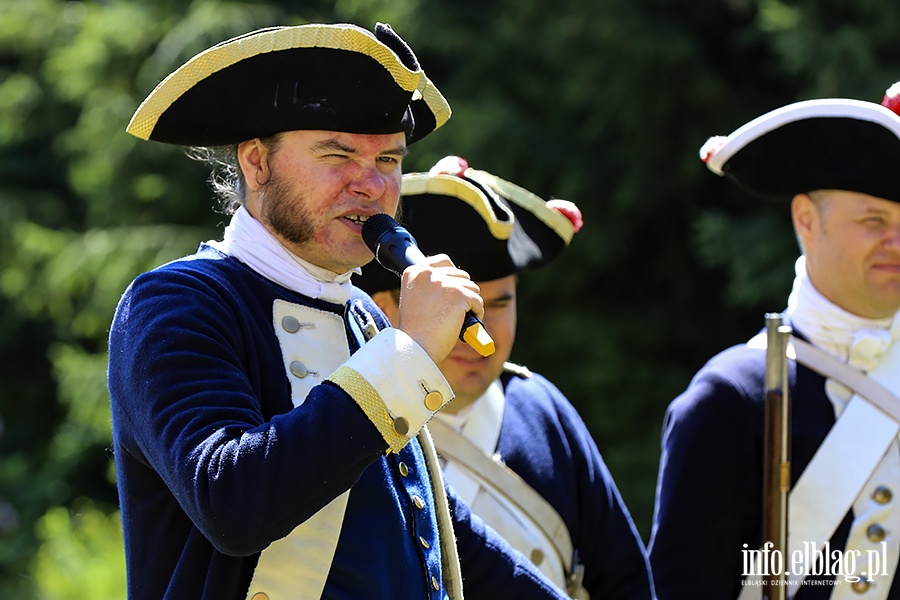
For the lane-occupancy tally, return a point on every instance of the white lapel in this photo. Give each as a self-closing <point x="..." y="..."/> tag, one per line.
<point x="313" y="344"/>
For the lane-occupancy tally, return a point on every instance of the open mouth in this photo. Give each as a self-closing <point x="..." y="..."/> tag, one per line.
<point x="358" y="219"/>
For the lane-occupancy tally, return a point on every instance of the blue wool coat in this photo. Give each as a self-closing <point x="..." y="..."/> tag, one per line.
<point x="213" y="463"/>
<point x="709" y="492"/>
<point x="543" y="439"/>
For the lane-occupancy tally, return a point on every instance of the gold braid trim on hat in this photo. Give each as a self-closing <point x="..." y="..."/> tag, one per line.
<point x="228" y="53"/>
<point x="435" y="101"/>
<point x="371" y="403"/>
<point x="415" y="184"/>
<point x="555" y="220"/>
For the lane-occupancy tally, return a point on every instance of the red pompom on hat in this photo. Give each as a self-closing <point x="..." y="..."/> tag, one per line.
<point x="450" y="165"/>
<point x="569" y="210"/>
<point x="892" y="98"/>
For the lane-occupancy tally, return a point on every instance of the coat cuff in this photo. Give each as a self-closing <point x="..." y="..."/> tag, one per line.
<point x="396" y="385"/>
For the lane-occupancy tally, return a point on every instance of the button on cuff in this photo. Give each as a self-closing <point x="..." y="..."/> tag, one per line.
<point x="434" y="400"/>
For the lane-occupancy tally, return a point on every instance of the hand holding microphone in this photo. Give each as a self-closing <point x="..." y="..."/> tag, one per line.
<point x="395" y="250"/>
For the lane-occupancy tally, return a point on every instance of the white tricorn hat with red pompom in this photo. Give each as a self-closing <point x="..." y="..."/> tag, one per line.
<point x="830" y="143"/>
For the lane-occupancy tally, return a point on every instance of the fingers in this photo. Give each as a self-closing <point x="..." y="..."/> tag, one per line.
<point x="440" y="268"/>
<point x="438" y="260"/>
<point x="434" y="298"/>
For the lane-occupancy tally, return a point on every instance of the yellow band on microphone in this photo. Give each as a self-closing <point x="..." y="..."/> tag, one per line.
<point x="477" y="336"/>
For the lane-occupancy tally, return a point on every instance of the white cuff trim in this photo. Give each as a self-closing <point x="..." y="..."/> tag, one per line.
<point x="407" y="380"/>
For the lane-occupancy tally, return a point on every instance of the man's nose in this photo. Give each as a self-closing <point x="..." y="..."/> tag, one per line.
<point x="369" y="182"/>
<point x="892" y="238"/>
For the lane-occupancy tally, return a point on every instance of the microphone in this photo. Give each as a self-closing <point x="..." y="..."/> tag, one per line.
<point x="395" y="249"/>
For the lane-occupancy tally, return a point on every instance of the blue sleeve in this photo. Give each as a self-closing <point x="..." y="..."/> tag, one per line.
<point x="199" y="395"/>
<point x="709" y="495"/>
<point x="615" y="560"/>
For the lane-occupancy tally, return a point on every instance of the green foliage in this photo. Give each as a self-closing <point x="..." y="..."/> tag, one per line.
<point x="753" y="249"/>
<point x="81" y="556"/>
<point x="603" y="103"/>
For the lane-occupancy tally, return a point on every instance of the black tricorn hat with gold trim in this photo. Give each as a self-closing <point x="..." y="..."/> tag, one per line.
<point x="336" y="77"/>
<point x="488" y="226"/>
<point x="829" y="143"/>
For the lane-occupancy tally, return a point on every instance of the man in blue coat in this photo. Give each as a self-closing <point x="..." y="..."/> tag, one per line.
<point x="838" y="160"/>
<point x="268" y="425"/>
<point x="512" y="445"/>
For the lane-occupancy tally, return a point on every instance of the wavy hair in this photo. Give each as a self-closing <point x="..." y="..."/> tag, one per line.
<point x="226" y="177"/>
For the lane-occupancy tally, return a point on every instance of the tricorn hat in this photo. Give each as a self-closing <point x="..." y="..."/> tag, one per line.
<point x="337" y="77"/>
<point x="488" y="226"/>
<point x="831" y="143"/>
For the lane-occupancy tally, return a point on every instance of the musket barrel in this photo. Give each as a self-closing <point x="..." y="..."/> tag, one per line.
<point x="776" y="459"/>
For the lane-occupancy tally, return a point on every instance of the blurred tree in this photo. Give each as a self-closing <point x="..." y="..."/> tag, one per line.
<point x="603" y="103"/>
<point x="83" y="209"/>
<point x="607" y="104"/>
<point x="81" y="554"/>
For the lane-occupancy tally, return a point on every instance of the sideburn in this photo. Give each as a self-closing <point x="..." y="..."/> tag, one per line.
<point x="285" y="214"/>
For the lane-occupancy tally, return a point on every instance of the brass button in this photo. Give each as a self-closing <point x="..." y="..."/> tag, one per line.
<point x="424" y="542"/>
<point x="434" y="400"/>
<point x="875" y="533"/>
<point x="260" y="596"/>
<point x="537" y="557"/>
<point x="861" y="586"/>
<point x="404" y="470"/>
<point x="290" y="324"/>
<point x="420" y="504"/>
<point x="882" y="494"/>
<point x="298" y="369"/>
<point x="401" y="426"/>
<point x="434" y="583"/>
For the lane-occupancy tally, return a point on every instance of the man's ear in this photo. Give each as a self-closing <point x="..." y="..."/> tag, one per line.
<point x="385" y="301"/>
<point x="252" y="157"/>
<point x="803" y="214"/>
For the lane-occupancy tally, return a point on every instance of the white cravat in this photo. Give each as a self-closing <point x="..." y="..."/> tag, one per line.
<point x="859" y="341"/>
<point x="251" y="243"/>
